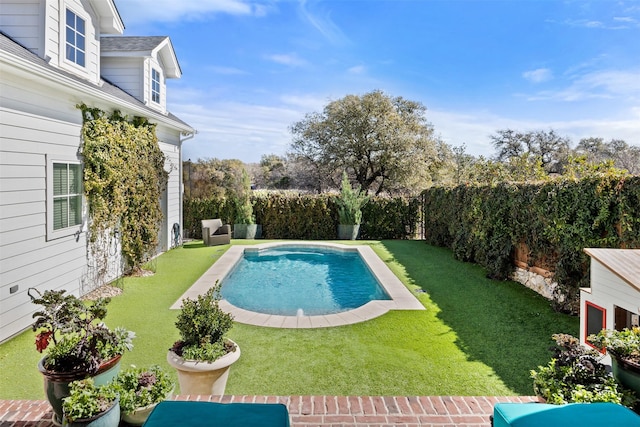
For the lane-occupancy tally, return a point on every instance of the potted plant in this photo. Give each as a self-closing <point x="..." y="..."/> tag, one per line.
<point x="575" y="374"/>
<point x="140" y="390"/>
<point x="245" y="226"/>
<point x="77" y="344"/>
<point x="203" y="355"/>
<point x="350" y="203"/>
<point x="624" y="348"/>
<point x="89" y="405"/>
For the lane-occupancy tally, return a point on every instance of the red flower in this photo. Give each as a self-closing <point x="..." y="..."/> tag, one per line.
<point x="42" y="340"/>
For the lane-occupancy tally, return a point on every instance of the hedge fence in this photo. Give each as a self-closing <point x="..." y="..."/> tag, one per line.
<point x="309" y="217"/>
<point x="551" y="223"/>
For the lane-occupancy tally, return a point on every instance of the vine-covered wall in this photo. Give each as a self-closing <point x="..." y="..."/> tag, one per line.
<point x="551" y="222"/>
<point x="285" y="216"/>
<point x="124" y="178"/>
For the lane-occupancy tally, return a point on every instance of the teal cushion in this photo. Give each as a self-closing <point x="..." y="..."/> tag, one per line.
<point x="573" y="414"/>
<point x="202" y="414"/>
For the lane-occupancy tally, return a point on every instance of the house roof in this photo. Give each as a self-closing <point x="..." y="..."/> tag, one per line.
<point x="624" y="263"/>
<point x="139" y="46"/>
<point x="17" y="51"/>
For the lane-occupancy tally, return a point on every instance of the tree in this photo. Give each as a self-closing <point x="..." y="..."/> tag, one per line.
<point x="623" y="155"/>
<point x="551" y="148"/>
<point x="212" y="177"/>
<point x="383" y="142"/>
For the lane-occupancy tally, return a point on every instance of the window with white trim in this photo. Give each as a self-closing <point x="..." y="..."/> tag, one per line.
<point x="155" y="85"/>
<point x="75" y="38"/>
<point x="64" y="198"/>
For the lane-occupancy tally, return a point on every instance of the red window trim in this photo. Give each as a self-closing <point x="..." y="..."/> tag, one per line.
<point x="586" y="319"/>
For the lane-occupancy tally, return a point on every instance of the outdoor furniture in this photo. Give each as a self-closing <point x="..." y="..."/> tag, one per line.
<point x="214" y="233"/>
<point x="171" y="413"/>
<point x="572" y="414"/>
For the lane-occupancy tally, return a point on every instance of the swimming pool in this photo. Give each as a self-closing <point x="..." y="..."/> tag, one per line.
<point x="400" y="296"/>
<point x="301" y="280"/>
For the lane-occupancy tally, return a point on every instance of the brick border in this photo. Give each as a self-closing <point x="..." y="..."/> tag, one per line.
<point x="323" y="411"/>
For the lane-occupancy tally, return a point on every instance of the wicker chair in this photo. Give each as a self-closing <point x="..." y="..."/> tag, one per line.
<point x="214" y="233"/>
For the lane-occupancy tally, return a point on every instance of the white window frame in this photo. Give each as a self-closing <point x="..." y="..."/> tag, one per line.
<point x="74" y="229"/>
<point x="67" y="44"/>
<point x="155" y="82"/>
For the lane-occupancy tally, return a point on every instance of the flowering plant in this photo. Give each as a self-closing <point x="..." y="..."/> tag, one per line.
<point x="72" y="333"/>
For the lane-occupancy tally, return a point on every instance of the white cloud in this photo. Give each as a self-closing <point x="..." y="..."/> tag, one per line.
<point x="290" y="59"/>
<point x="136" y="11"/>
<point x="322" y="22"/>
<point x="358" y="69"/>
<point x="539" y="75"/>
<point x="601" y="84"/>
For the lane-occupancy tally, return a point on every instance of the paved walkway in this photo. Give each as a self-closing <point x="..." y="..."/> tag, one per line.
<point x="323" y="411"/>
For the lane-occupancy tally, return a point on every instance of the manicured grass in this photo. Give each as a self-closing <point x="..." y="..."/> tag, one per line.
<point x="477" y="336"/>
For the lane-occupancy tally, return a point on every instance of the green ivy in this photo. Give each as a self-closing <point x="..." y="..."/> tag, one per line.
<point x="556" y="220"/>
<point x="124" y="178"/>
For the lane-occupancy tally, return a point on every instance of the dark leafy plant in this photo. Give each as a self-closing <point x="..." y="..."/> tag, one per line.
<point x="140" y="387"/>
<point x="202" y="325"/>
<point x="86" y="400"/>
<point x="72" y="332"/>
<point x="242" y="202"/>
<point x="575" y="374"/>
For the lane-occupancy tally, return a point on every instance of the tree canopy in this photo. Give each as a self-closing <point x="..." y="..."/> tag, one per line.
<point x="385" y="143"/>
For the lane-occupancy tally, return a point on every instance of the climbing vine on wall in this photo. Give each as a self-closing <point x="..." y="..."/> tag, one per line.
<point x="124" y="178"/>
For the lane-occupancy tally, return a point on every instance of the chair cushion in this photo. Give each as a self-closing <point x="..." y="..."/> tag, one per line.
<point x="573" y="414"/>
<point x="173" y="413"/>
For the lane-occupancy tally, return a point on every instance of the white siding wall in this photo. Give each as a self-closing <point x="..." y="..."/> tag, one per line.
<point x="172" y="208"/>
<point x="126" y="73"/>
<point x="607" y="291"/>
<point x="22" y="20"/>
<point x="27" y="259"/>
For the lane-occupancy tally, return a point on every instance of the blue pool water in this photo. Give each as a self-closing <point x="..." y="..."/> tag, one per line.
<point x="285" y="280"/>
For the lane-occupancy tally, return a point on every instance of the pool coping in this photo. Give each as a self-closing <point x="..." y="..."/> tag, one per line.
<point x="401" y="297"/>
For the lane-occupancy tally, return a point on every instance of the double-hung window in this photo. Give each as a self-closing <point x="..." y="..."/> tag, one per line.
<point x="155" y="85"/>
<point x="75" y="38"/>
<point x="64" y="204"/>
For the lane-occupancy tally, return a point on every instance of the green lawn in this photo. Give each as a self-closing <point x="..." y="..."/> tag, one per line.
<point x="477" y="337"/>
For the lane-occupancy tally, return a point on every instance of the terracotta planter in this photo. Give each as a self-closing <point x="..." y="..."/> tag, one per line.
<point x="627" y="373"/>
<point x="196" y="377"/>
<point x="108" y="418"/>
<point x="56" y="384"/>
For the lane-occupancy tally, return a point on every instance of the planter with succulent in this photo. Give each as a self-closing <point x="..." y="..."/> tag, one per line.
<point x="90" y="405"/>
<point x="624" y="348"/>
<point x="576" y="375"/>
<point x="350" y="203"/>
<point x="203" y="356"/>
<point x="244" y="226"/>
<point x="140" y="390"/>
<point x="77" y="344"/>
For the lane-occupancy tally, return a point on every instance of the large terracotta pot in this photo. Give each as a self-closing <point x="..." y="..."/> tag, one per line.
<point x="56" y="384"/>
<point x="196" y="377"/>
<point x="108" y="418"/>
<point x="627" y="373"/>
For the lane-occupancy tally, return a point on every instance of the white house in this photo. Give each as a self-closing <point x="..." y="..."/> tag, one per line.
<point x="55" y="54"/>
<point x="613" y="300"/>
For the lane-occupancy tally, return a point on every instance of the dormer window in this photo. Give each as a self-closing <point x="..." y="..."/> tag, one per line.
<point x="155" y="86"/>
<point x="75" y="39"/>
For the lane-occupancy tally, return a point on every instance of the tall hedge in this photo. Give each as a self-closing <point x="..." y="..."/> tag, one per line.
<point x="309" y="217"/>
<point x="555" y="220"/>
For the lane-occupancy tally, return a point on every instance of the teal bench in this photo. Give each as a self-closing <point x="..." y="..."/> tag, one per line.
<point x="172" y="413"/>
<point x="573" y="414"/>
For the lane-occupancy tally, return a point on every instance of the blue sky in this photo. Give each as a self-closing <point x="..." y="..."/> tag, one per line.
<point x="253" y="68"/>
